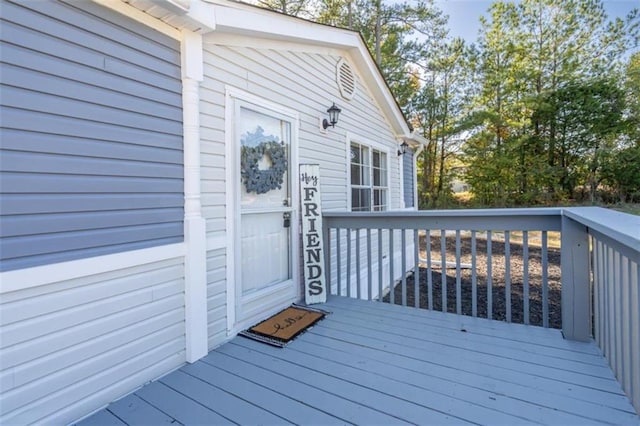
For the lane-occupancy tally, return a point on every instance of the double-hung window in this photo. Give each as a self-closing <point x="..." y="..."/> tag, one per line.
<point x="369" y="179"/>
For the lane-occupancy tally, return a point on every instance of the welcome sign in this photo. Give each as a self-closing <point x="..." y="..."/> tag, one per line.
<point x="315" y="286"/>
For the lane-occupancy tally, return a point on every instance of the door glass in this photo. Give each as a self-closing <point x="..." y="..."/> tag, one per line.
<point x="265" y="147"/>
<point x="264" y="199"/>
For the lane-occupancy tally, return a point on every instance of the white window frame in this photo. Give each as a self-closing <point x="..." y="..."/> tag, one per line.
<point x="372" y="146"/>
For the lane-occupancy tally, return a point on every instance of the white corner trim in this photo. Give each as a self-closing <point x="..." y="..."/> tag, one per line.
<point x="22" y="279"/>
<point x="194" y="223"/>
<point x="191" y="55"/>
<point x="195" y="238"/>
<point x="140" y="16"/>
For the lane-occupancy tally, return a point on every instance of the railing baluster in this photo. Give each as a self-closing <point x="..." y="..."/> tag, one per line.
<point x="626" y="317"/>
<point x="489" y="278"/>
<point x="429" y="272"/>
<point x="404" y="266"/>
<point x="380" y="266"/>
<point x="597" y="299"/>
<point x="338" y="262"/>
<point x="443" y="268"/>
<point x="348" y="262"/>
<point x="525" y="276"/>
<point x="545" y="281"/>
<point x="369" y="265"/>
<point x="507" y="274"/>
<point x="634" y="300"/>
<point x="458" y="275"/>
<point x="358" y="281"/>
<point x="416" y="269"/>
<point x="617" y="283"/>
<point x="474" y="277"/>
<point x="609" y="338"/>
<point x="392" y="296"/>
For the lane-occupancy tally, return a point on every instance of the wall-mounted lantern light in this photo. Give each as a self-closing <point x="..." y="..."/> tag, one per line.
<point x="403" y="149"/>
<point x="334" y="112"/>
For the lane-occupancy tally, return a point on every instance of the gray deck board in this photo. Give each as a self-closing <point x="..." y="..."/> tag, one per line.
<point x="278" y="404"/>
<point x="102" y="418"/>
<point x="374" y="363"/>
<point x="235" y="409"/>
<point x="133" y="410"/>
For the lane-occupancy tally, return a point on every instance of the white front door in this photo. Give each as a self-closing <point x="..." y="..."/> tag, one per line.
<point x="266" y="215"/>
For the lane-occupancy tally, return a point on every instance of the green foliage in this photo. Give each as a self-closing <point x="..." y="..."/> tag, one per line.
<point x="542" y="108"/>
<point x="621" y="170"/>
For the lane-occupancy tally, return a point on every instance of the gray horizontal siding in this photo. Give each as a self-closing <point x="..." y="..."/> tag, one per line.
<point x="407" y="170"/>
<point x="91" y="160"/>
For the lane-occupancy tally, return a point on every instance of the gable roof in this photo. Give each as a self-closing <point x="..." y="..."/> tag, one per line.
<point x="234" y="17"/>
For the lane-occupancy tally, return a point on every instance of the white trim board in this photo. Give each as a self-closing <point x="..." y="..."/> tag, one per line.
<point x="22" y="279"/>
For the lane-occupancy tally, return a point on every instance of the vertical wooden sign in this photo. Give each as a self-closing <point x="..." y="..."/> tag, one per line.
<point x="315" y="286"/>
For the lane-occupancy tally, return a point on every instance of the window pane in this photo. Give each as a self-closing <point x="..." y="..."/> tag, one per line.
<point x="355" y="199"/>
<point x="365" y="199"/>
<point x="379" y="199"/>
<point x="376" y="158"/>
<point x="365" y="155"/>
<point x="355" y="153"/>
<point x="355" y="175"/>
<point x="383" y="178"/>
<point x="360" y="199"/>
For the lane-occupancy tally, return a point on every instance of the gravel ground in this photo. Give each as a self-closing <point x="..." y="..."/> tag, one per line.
<point x="498" y="279"/>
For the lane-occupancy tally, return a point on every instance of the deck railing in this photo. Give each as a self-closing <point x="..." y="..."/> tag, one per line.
<point x="575" y="269"/>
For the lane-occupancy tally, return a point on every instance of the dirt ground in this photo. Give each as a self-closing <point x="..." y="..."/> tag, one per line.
<point x="498" y="279"/>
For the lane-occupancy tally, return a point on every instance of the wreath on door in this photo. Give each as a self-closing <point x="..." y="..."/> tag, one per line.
<point x="263" y="181"/>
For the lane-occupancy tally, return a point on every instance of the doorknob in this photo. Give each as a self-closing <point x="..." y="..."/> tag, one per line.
<point x="287" y="219"/>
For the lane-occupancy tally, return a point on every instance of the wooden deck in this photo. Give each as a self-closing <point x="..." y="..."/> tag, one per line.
<point x="373" y="363"/>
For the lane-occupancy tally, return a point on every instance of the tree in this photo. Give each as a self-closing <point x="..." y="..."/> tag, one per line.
<point x="437" y="111"/>
<point x="300" y="8"/>
<point x="538" y="74"/>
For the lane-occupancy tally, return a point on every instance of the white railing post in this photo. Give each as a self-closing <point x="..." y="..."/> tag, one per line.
<point x="574" y="256"/>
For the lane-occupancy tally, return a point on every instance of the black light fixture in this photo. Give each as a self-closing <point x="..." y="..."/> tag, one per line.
<point x="334" y="112"/>
<point x="403" y="149"/>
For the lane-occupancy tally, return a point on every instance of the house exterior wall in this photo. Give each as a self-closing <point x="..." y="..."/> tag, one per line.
<point x="91" y="156"/>
<point x="303" y="80"/>
<point x="70" y="347"/>
<point x="408" y="178"/>
<point x="92" y="300"/>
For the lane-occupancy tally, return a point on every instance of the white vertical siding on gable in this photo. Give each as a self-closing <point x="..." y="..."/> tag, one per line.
<point x="69" y="347"/>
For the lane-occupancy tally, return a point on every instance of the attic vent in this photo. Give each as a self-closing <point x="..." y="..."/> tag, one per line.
<point x="346" y="79"/>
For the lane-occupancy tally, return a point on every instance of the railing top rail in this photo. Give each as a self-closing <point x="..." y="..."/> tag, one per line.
<point x="622" y="227"/>
<point x="542" y="211"/>
<point x="542" y="219"/>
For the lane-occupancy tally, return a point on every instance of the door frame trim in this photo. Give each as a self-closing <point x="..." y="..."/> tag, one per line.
<point x="232" y="188"/>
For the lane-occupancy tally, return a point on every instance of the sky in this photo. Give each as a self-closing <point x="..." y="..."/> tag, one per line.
<point x="463" y="14"/>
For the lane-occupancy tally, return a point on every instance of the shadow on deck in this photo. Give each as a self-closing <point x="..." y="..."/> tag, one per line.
<point x="375" y="363"/>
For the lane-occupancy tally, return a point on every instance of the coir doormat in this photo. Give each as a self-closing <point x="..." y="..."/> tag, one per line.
<point x="284" y="326"/>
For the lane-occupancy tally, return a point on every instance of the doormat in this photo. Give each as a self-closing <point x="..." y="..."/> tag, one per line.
<point x="286" y="325"/>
